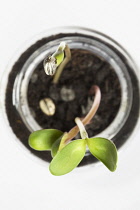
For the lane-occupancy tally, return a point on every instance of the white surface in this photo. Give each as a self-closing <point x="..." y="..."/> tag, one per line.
<point x="25" y="184"/>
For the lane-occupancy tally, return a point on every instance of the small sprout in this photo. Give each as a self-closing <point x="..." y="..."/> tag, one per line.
<point x="44" y="139"/>
<point x="47" y="106"/>
<point x="52" y="62"/>
<point x="68" y="158"/>
<point x="57" y="61"/>
<point x="67" y="94"/>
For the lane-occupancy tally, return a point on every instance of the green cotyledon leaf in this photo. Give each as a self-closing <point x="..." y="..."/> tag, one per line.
<point x="58" y="144"/>
<point x="59" y="54"/>
<point x="43" y="139"/>
<point x="104" y="150"/>
<point x="59" y="58"/>
<point x="55" y="146"/>
<point x="68" y="158"/>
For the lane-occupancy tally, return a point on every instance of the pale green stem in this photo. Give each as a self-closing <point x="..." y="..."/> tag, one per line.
<point x="62" y="65"/>
<point x="74" y="131"/>
<point x="81" y="127"/>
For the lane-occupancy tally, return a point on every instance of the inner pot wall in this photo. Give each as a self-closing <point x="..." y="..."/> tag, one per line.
<point x="102" y="46"/>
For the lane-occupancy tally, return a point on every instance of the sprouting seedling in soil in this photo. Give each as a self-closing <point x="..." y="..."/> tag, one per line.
<point x="54" y="64"/>
<point x="71" y="155"/>
<point x="68" y="154"/>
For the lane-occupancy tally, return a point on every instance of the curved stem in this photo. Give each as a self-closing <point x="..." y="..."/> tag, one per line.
<point x="74" y="131"/>
<point x="81" y="127"/>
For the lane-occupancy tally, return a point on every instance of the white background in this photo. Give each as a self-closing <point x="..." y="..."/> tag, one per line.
<point x="25" y="184"/>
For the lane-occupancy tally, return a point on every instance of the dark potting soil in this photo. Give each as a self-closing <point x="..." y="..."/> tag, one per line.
<point x="71" y="96"/>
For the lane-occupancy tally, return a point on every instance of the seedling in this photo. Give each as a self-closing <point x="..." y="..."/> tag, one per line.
<point x="57" y="61"/>
<point x="67" y="153"/>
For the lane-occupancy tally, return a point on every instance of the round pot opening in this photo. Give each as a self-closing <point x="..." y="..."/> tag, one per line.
<point x="109" y="67"/>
